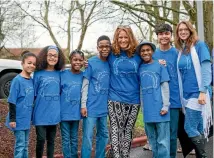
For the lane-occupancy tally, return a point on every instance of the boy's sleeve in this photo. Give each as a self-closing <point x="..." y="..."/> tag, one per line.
<point x="84" y="92"/>
<point x="88" y="72"/>
<point x="164" y="74"/>
<point x="165" y="95"/>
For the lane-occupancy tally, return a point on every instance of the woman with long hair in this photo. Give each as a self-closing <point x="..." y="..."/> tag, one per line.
<point x="124" y="92"/>
<point x="194" y="75"/>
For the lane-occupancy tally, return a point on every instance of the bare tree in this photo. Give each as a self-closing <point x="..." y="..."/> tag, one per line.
<point x="73" y="14"/>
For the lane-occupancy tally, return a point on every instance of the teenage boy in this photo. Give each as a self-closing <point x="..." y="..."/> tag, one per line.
<point x="155" y="93"/>
<point x="94" y="100"/>
<point x="167" y="55"/>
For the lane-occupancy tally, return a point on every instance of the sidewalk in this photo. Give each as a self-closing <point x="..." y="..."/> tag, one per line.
<point x="140" y="153"/>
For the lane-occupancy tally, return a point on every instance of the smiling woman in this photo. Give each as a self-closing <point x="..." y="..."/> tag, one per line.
<point x="124" y="92"/>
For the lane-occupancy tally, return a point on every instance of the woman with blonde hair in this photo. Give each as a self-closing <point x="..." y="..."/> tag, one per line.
<point x="124" y="92"/>
<point x="194" y="75"/>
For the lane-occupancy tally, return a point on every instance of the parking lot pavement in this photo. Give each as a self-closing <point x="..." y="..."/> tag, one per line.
<point x="140" y="153"/>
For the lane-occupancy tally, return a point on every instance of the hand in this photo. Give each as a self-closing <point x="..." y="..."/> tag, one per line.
<point x="86" y="63"/>
<point x="12" y="124"/>
<point x="162" y="62"/>
<point x="163" y="112"/>
<point x="202" y="98"/>
<point x="84" y="112"/>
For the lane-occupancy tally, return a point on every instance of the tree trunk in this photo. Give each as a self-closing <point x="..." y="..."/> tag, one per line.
<point x="175" y="15"/>
<point x="208" y="23"/>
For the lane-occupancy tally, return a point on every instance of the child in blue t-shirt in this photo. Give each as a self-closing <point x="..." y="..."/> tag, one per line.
<point x="71" y="84"/>
<point x="94" y="100"/>
<point x="46" y="113"/>
<point x="155" y="95"/>
<point x="167" y="55"/>
<point x="20" y="101"/>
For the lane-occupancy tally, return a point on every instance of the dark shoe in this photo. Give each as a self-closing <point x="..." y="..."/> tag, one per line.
<point x="200" y="143"/>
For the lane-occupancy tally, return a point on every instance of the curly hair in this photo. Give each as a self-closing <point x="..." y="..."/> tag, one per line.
<point x="42" y="59"/>
<point x="192" y="39"/>
<point x="132" y="41"/>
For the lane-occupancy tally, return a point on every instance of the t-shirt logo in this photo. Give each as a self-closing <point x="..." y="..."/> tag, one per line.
<point x="171" y="70"/>
<point x="70" y="89"/>
<point x="29" y="96"/>
<point x="51" y="84"/>
<point x="102" y="83"/>
<point x="124" y="67"/>
<point x="149" y="82"/>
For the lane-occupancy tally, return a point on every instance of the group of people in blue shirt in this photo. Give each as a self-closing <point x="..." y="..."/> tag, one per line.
<point x="123" y="77"/>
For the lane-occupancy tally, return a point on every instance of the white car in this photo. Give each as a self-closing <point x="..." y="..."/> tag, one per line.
<point x="8" y="70"/>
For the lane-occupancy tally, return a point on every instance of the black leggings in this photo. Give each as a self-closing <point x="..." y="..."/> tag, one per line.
<point x="45" y="133"/>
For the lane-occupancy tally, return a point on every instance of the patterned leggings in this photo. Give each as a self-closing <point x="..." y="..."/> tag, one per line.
<point x="122" y="120"/>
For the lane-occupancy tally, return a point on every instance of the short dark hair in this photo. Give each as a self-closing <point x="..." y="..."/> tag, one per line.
<point x="42" y="59"/>
<point x="162" y="28"/>
<point x="103" y="37"/>
<point x="25" y="54"/>
<point x="76" y="51"/>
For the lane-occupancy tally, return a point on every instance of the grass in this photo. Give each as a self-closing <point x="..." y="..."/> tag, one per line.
<point x="139" y="122"/>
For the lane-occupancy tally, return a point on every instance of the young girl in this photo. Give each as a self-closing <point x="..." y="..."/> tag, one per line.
<point x="21" y="105"/>
<point x="71" y="84"/>
<point x="46" y="113"/>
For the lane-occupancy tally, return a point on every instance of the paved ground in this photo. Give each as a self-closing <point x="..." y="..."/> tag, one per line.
<point x="140" y="153"/>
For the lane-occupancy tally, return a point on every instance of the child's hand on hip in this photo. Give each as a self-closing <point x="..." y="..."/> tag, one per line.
<point x="202" y="98"/>
<point x="12" y="124"/>
<point x="84" y="112"/>
<point x="163" y="112"/>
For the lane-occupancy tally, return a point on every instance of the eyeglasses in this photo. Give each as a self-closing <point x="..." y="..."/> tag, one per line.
<point x="185" y="30"/>
<point x="104" y="46"/>
<point x="51" y="55"/>
<point x="123" y="26"/>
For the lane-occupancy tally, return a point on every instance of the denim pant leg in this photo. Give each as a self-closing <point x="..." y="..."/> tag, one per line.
<point x="174" y="117"/>
<point x="27" y="132"/>
<point x="88" y="126"/>
<point x="19" y="150"/>
<point x="74" y="138"/>
<point x="40" y="140"/>
<point x="101" y="137"/>
<point x="51" y="133"/>
<point x="152" y="137"/>
<point x="163" y="139"/>
<point x="65" y="133"/>
<point x="193" y="123"/>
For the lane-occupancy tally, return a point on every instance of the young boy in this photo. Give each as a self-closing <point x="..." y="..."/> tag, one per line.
<point x="94" y="100"/>
<point x="155" y="93"/>
<point x="167" y="55"/>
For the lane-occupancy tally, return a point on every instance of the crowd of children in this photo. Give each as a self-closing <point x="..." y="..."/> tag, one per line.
<point x="111" y="85"/>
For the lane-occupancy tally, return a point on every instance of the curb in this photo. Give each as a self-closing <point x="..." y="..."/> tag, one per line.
<point x="136" y="142"/>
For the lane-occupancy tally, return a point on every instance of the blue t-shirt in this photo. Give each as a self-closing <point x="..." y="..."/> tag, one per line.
<point x="124" y="83"/>
<point x="188" y="76"/>
<point x="151" y="77"/>
<point x="98" y="74"/>
<point x="170" y="56"/>
<point x="21" y="95"/>
<point x="71" y="85"/>
<point x="47" y="104"/>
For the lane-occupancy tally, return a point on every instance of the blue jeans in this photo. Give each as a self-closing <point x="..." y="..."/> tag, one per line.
<point x="174" y="117"/>
<point x="101" y="136"/>
<point x="21" y="143"/>
<point x="193" y="123"/>
<point x="69" y="132"/>
<point x="159" y="138"/>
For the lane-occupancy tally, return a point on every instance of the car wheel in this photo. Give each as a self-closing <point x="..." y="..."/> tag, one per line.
<point x="5" y="81"/>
